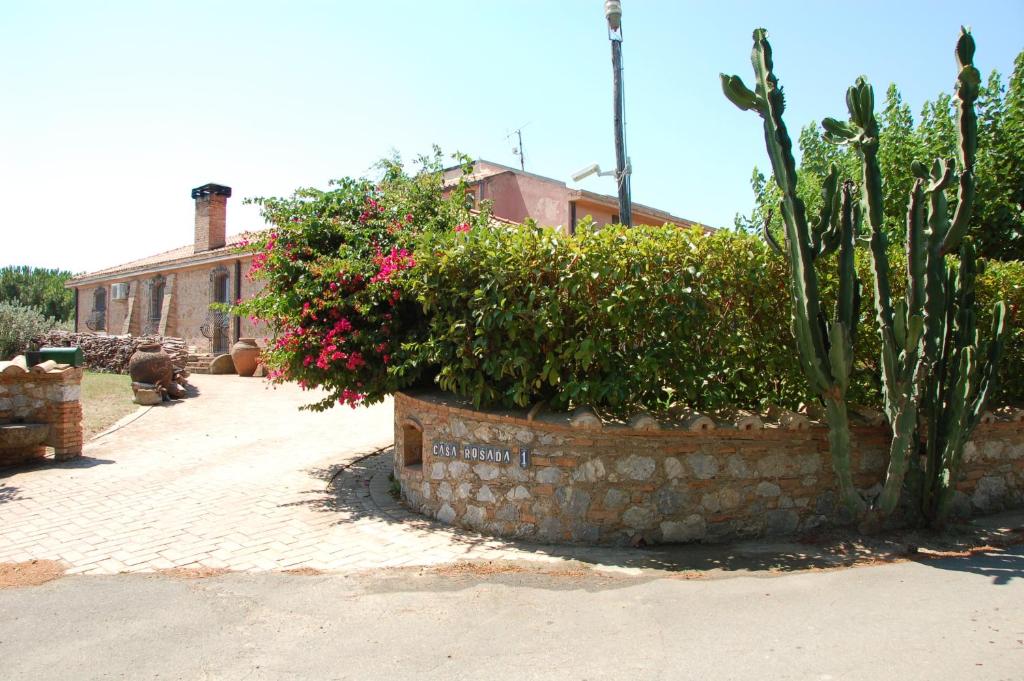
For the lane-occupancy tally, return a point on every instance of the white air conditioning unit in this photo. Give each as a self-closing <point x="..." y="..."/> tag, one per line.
<point x="119" y="291"/>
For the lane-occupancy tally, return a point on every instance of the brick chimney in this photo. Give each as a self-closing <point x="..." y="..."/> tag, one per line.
<point x="211" y="216"/>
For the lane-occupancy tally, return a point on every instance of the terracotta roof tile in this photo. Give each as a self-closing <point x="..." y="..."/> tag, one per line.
<point x="176" y="256"/>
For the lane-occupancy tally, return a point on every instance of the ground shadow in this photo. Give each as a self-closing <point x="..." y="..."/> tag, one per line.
<point x="190" y="392"/>
<point x="1001" y="564"/>
<point x="360" y="490"/>
<point x="48" y="462"/>
<point x="9" y="493"/>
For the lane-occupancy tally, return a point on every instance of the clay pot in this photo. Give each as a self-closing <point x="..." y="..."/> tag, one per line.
<point x="246" y="355"/>
<point x="150" y="364"/>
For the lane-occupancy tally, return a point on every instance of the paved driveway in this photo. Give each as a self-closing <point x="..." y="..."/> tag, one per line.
<point x="240" y="479"/>
<point x="237" y="478"/>
<point x="234" y="478"/>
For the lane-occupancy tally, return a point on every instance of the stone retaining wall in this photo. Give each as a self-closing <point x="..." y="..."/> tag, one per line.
<point x="505" y="475"/>
<point x="52" y="398"/>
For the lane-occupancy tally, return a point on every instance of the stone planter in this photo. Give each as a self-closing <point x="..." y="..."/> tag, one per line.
<point x="557" y="479"/>
<point x="246" y="355"/>
<point x="150" y="364"/>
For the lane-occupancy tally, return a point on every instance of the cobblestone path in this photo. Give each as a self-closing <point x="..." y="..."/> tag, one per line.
<point x="236" y="478"/>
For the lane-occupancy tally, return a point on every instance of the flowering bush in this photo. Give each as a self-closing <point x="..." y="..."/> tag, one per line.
<point x="334" y="264"/>
<point x="374" y="287"/>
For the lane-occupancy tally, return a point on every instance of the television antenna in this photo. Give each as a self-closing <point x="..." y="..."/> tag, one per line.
<point x="517" y="149"/>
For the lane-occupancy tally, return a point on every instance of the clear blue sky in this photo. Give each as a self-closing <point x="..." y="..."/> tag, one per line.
<point x="113" y="111"/>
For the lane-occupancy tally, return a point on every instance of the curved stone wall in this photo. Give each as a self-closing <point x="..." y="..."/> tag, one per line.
<point x="503" y="474"/>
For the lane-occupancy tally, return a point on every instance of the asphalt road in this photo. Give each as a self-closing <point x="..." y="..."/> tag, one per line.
<point x="948" y="619"/>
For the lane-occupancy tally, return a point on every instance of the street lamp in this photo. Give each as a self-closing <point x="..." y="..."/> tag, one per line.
<point x="613" y="13"/>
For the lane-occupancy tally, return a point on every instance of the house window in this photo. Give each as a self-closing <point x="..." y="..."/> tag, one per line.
<point x="156" y="303"/>
<point x="219" y="285"/>
<point x="615" y="218"/>
<point x="98" y="317"/>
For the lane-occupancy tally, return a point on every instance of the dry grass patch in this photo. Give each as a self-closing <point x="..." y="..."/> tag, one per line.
<point x="106" y="398"/>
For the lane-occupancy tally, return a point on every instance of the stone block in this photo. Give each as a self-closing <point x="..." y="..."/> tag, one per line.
<point x="639" y="517"/>
<point x="704" y="466"/>
<point x="475" y="516"/>
<point x="486" y="471"/>
<point x="781" y="521"/>
<point x="673" y="468"/>
<point x="767" y="489"/>
<point x="590" y="471"/>
<point x="446" y="514"/>
<point x="669" y="501"/>
<point x="485" y="495"/>
<point x="573" y="501"/>
<point x="518" y="493"/>
<point x="437" y="470"/>
<point x="444" y="491"/>
<point x="549" y="475"/>
<point x="222" y="364"/>
<point x="507" y="512"/>
<point x="615" y="498"/>
<point x="636" y="467"/>
<point x="691" y="529"/>
<point x="148" y="398"/>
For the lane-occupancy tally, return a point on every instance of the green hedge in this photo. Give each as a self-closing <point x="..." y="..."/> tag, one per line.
<point x="643" y="317"/>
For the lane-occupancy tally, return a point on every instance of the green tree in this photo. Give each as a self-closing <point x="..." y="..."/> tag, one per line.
<point x="40" y="288"/>
<point x="999" y="211"/>
<point x="898" y="148"/>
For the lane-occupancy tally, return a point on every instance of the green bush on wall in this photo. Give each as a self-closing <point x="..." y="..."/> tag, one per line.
<point x="629" y="318"/>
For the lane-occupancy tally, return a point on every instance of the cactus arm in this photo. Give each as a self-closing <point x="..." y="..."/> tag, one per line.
<point x="904" y="444"/>
<point x="967" y="86"/>
<point x="819" y="354"/>
<point x="916" y="257"/>
<point x="769" y="238"/>
<point x="826" y="228"/>
<point x="848" y="305"/>
<point x="805" y="295"/>
<point x="988" y="373"/>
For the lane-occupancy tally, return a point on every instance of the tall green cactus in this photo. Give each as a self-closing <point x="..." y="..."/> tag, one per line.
<point x="826" y="349"/>
<point x="930" y="344"/>
<point x="932" y="370"/>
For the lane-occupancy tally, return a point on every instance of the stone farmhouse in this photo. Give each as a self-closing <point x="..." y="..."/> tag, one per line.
<point x="170" y="293"/>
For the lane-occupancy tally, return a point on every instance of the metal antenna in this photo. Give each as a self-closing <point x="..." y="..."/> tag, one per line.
<point x="518" y="150"/>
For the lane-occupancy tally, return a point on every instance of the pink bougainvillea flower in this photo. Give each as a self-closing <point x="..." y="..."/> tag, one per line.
<point x="464" y="227"/>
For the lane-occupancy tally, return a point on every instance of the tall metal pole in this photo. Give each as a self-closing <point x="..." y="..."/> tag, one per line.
<point x="613" y="12"/>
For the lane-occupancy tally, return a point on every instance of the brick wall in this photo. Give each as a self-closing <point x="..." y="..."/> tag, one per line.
<point x="53" y="399"/>
<point x="614" y="485"/>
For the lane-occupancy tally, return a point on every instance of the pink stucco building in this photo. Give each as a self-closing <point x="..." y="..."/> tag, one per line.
<point x="517" y="195"/>
<point x="170" y="293"/>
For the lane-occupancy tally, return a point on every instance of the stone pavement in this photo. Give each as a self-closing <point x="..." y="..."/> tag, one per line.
<point x="236" y="478"/>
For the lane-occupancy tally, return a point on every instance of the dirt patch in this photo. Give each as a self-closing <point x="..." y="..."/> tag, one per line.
<point x="488" y="568"/>
<point x="30" y="573"/>
<point x="303" y="572"/>
<point x="197" y="572"/>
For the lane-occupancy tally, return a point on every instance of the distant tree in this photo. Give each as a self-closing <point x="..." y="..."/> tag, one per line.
<point x="38" y="288"/>
<point x="999" y="205"/>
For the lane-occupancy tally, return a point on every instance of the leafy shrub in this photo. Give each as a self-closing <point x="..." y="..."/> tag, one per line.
<point x="374" y="287"/>
<point x="333" y="263"/>
<point x="19" y="325"/>
<point x="626" y="318"/>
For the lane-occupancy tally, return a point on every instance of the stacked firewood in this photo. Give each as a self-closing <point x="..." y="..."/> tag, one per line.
<point x="111" y="353"/>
